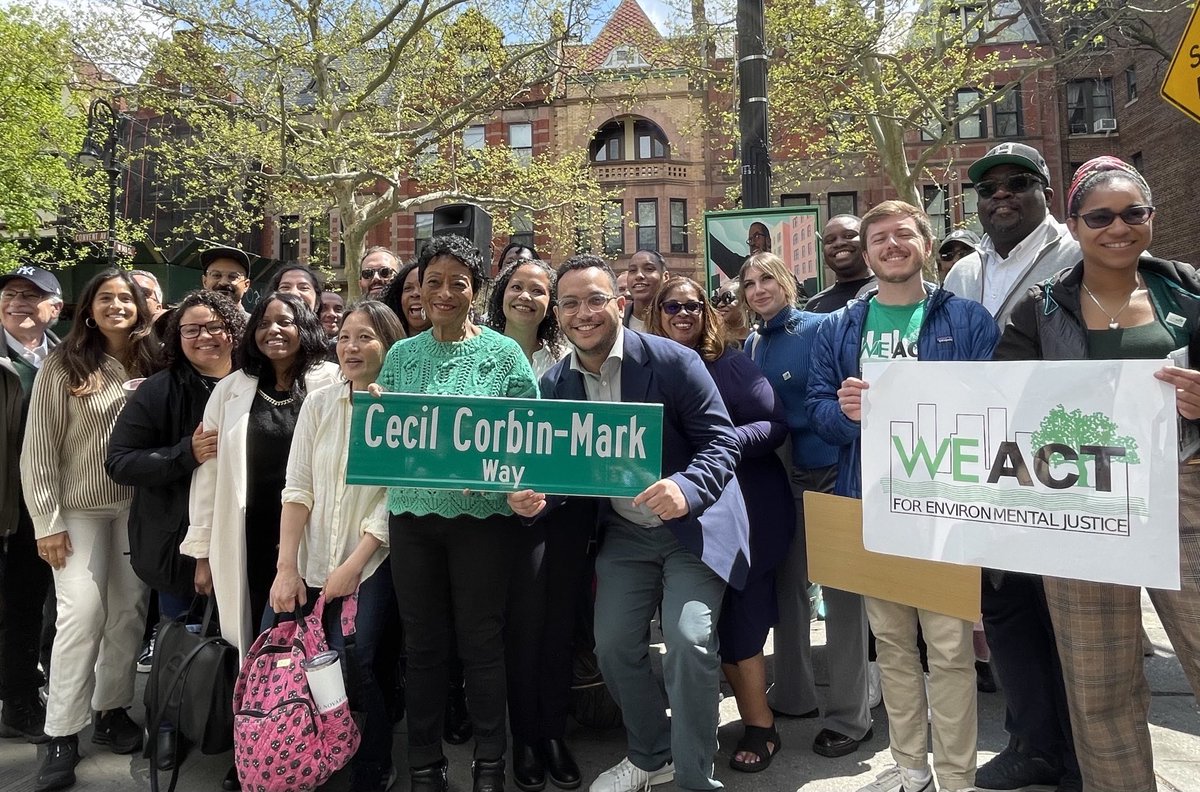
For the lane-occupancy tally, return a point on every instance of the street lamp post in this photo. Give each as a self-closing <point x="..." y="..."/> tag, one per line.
<point x="104" y="129"/>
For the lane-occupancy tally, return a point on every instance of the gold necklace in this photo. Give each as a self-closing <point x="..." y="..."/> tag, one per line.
<point x="1113" y="324"/>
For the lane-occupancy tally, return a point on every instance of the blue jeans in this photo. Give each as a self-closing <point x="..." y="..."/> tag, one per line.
<point x="638" y="568"/>
<point x="375" y="598"/>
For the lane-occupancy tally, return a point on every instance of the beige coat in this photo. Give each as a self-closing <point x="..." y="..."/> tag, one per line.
<point x="217" y="503"/>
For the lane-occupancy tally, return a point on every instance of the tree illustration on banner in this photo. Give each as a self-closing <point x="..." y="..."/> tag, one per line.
<point x="1075" y="429"/>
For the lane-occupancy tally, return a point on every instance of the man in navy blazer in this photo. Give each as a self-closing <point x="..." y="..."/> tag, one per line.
<point x="678" y="543"/>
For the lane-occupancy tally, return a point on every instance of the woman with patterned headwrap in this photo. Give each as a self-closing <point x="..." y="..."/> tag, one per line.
<point x="1118" y="303"/>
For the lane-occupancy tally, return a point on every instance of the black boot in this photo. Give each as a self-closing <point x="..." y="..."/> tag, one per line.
<point x="488" y="775"/>
<point x="24" y="717"/>
<point x="431" y="778"/>
<point x="529" y="773"/>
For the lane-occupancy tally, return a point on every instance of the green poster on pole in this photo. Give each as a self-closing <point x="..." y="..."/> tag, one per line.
<point x="607" y="449"/>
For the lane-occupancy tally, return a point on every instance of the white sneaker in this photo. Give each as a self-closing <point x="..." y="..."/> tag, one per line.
<point x="874" y="685"/>
<point x="625" y="776"/>
<point x="895" y="779"/>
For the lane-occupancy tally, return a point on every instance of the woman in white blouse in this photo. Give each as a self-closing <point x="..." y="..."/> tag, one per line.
<point x="333" y="537"/>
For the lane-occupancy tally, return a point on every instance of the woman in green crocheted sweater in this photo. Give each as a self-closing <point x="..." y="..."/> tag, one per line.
<point x="450" y="550"/>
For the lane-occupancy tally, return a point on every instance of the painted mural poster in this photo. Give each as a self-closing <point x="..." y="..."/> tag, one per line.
<point x="791" y="232"/>
<point x="1064" y="468"/>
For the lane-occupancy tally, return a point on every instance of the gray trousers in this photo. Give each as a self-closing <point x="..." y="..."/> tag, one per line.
<point x="793" y="693"/>
<point x="636" y="569"/>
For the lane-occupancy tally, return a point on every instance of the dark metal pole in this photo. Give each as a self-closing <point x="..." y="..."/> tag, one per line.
<point x="752" y="110"/>
<point x="113" y="174"/>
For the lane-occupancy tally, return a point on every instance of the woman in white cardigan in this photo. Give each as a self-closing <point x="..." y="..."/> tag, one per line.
<point x="254" y="411"/>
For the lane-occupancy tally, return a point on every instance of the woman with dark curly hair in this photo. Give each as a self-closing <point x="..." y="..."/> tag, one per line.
<point x="520" y="309"/>
<point x="80" y="518"/>
<point x="403" y="296"/>
<point x="159" y="440"/>
<point x="450" y="549"/>
<point x="235" y="505"/>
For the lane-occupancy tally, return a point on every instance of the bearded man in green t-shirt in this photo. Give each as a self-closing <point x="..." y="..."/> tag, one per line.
<point x="904" y="319"/>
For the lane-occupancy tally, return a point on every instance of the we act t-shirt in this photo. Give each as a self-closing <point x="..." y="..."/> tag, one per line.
<point x="891" y="331"/>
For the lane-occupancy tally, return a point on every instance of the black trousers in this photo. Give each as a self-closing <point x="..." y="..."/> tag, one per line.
<point x="1017" y="624"/>
<point x="456" y="566"/>
<point x="550" y="583"/>
<point x="24" y="585"/>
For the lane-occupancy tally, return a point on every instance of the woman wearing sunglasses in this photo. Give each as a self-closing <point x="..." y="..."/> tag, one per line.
<point x="725" y="301"/>
<point x="681" y="313"/>
<point x="1118" y="303"/>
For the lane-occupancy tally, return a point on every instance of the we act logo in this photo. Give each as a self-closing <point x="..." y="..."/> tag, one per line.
<point x="1070" y="472"/>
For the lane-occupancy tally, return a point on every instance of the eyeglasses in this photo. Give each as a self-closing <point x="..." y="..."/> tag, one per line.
<point x="595" y="302"/>
<point x="1103" y="218"/>
<point x="1016" y="183"/>
<point x="724" y="298"/>
<point x="217" y="275"/>
<point x="756" y="235"/>
<point x="194" y="330"/>
<point x="29" y="296"/>
<point x="948" y="256"/>
<point x="384" y="273"/>
<point x="672" y="307"/>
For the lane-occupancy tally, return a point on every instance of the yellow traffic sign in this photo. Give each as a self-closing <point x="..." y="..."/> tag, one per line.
<point x="1181" y="87"/>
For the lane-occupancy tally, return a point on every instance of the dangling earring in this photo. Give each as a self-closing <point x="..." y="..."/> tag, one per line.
<point x="90" y="322"/>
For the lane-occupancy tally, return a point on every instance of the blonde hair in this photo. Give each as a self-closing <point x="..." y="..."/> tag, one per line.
<point x="772" y="265"/>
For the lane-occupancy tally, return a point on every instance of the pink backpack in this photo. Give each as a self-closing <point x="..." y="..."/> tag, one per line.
<point x="281" y="742"/>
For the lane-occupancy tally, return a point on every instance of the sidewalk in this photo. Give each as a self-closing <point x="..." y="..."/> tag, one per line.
<point x="1174" y="728"/>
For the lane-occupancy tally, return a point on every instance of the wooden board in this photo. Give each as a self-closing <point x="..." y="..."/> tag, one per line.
<point x="837" y="558"/>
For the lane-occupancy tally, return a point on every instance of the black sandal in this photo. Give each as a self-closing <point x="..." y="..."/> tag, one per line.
<point x="756" y="740"/>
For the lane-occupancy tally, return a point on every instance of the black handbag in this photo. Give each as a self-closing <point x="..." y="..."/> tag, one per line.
<point x="191" y="687"/>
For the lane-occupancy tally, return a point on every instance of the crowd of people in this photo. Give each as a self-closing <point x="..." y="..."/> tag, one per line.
<point x="202" y="450"/>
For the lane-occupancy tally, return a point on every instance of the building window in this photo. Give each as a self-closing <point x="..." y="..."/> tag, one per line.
<point x="1131" y="83"/>
<point x="795" y="199"/>
<point x="650" y="140"/>
<point x="613" y="227"/>
<point x="936" y="208"/>
<point x="520" y="140"/>
<point x="289" y="238"/>
<point x="647" y="224"/>
<point x="843" y="203"/>
<point x="679" y="240"/>
<point x="1137" y="162"/>
<point x="474" y="137"/>
<point x="607" y="144"/>
<point x="422" y="230"/>
<point x="973" y="126"/>
<point x="522" y="228"/>
<point x="624" y="56"/>
<point x="1089" y="102"/>
<point x="970" y="207"/>
<point x="428" y="153"/>
<point x="1006" y="114"/>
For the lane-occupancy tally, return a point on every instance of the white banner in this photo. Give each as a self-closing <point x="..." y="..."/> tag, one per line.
<point x="1062" y="468"/>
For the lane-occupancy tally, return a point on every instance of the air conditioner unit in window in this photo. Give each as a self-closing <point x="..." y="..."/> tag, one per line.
<point x="1105" y="125"/>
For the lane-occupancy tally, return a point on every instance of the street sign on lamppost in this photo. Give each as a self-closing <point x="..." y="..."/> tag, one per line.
<point x="104" y="129"/>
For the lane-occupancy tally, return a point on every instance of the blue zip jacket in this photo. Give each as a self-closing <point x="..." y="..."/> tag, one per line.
<point x="953" y="329"/>
<point x="781" y="349"/>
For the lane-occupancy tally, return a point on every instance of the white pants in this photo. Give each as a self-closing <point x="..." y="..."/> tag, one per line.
<point x="101" y="615"/>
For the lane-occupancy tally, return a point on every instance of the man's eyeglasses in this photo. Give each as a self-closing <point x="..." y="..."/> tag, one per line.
<point x="724" y="298"/>
<point x="672" y="307"/>
<point x="595" y="302"/>
<point x="755" y="236"/>
<point x="384" y="273"/>
<point x="193" y="330"/>
<point x="1016" y="183"/>
<point x="230" y="277"/>
<point x="1103" y="218"/>
<point x="28" y="296"/>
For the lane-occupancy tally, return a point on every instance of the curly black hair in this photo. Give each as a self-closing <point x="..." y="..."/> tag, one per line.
<point x="456" y="247"/>
<point x="548" y="331"/>
<point x="231" y="314"/>
<point x="313" y="342"/>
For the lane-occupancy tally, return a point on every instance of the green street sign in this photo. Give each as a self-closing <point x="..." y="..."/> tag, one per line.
<point x="608" y="449"/>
